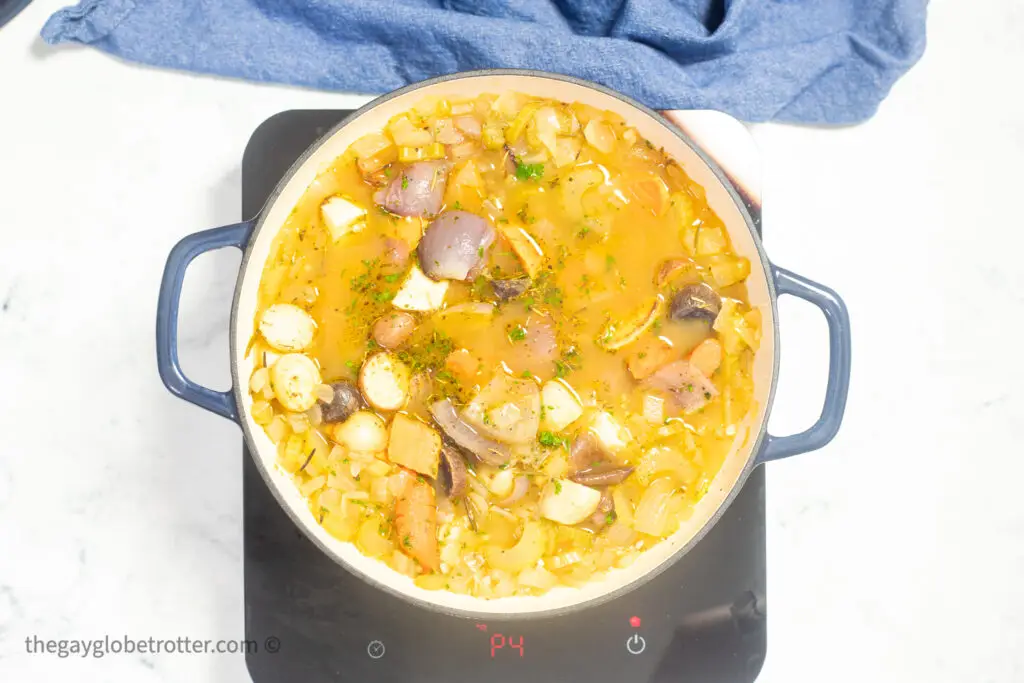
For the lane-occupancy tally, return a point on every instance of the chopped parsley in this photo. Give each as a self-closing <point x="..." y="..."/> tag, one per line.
<point x="558" y="486"/>
<point x="517" y="333"/>
<point x="405" y="182"/>
<point x="427" y="354"/>
<point x="457" y="206"/>
<point x="406" y="541"/>
<point x="610" y="517"/>
<point x="570" y="361"/>
<point x="553" y="296"/>
<point x="392" y="277"/>
<point x="529" y="171"/>
<point x="550" y="439"/>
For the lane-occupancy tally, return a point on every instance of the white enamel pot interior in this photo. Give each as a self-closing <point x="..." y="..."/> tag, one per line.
<point x="721" y="197"/>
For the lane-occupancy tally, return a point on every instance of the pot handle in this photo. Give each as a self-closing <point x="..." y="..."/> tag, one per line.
<point x="219" y="402"/>
<point x="822" y="431"/>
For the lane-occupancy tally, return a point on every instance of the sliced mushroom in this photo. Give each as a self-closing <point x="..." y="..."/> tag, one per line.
<point x="601" y="476"/>
<point x="454" y="244"/>
<point x="454" y="473"/>
<point x="346" y="401"/>
<point x="585" y="452"/>
<point x="698" y="301"/>
<point x="689" y="388"/>
<point x="506" y="290"/>
<point x="482" y="448"/>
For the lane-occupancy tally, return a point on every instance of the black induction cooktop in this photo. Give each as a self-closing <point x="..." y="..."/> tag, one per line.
<point x="703" y="620"/>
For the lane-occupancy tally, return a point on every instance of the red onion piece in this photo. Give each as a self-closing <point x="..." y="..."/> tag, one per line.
<point x="454" y="244"/>
<point x="417" y="190"/>
<point x="486" y="450"/>
<point x="689" y="388"/>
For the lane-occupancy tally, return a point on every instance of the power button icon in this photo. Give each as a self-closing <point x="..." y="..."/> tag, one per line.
<point x="635" y="644"/>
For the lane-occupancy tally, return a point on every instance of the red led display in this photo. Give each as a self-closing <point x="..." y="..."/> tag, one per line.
<point x="499" y="641"/>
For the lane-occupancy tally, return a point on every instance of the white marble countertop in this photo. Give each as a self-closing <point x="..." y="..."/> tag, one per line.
<point x="895" y="554"/>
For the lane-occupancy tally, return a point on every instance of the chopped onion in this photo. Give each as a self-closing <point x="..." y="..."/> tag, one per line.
<point x="342" y="482"/>
<point x="259" y="379"/>
<point x="519" y="489"/>
<point x="463" y="151"/>
<point x="546" y="122"/>
<point x="654" y="409"/>
<point x="406" y="134"/>
<point x="486" y="450"/>
<point x="313" y="485"/>
<point x="262" y="412"/>
<point x="369" y="145"/>
<point x="470" y="125"/>
<point x="600" y="136"/>
<point x="446" y="133"/>
<point x="330" y="499"/>
<point x="277" y="429"/>
<point x="537" y="577"/>
<point x="325" y="393"/>
<point x="652" y="512"/>
<point x="620" y="534"/>
<point x="298" y="422"/>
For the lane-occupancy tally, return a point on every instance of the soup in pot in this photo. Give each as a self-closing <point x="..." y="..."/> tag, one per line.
<point x="503" y="345"/>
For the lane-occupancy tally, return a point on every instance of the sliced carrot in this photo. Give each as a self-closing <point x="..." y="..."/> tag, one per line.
<point x="648" y="357"/>
<point x="416" y="522"/>
<point x="707" y="356"/>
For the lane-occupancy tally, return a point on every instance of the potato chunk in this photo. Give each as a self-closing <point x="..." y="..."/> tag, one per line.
<point x="384" y="381"/>
<point x="294" y="379"/>
<point x="420" y="293"/>
<point x="341" y="216"/>
<point x="414" y="444"/>
<point x="560" y="406"/>
<point x="566" y="502"/>
<point x="286" y="327"/>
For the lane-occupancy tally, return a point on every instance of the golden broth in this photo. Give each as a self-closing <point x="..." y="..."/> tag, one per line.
<point x="589" y="214"/>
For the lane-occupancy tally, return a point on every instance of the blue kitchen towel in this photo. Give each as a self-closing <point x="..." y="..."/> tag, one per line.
<point x="809" y="61"/>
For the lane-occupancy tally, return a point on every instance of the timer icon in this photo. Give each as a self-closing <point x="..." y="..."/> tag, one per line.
<point x="375" y="649"/>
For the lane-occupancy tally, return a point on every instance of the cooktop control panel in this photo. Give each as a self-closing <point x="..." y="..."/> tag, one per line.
<point x="703" y="619"/>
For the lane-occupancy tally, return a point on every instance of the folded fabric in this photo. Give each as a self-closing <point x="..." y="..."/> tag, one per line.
<point x="810" y="61"/>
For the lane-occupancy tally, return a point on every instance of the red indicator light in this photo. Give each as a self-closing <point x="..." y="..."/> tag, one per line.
<point x="481" y="627"/>
<point x="634" y="622"/>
